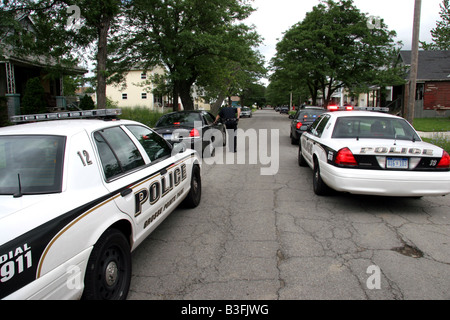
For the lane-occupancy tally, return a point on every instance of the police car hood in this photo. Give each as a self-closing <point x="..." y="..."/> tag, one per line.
<point x="30" y="211"/>
<point x="388" y="147"/>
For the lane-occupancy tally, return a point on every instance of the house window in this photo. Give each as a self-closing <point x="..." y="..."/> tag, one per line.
<point x="144" y="95"/>
<point x="144" y="76"/>
<point x="124" y="96"/>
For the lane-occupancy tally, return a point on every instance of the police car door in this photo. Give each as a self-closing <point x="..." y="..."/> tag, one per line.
<point x="127" y="167"/>
<point x="312" y="138"/>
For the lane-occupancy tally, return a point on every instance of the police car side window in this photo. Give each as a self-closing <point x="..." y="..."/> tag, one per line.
<point x="117" y="152"/>
<point x="319" y="125"/>
<point x="155" y="146"/>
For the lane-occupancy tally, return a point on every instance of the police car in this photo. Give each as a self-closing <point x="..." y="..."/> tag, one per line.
<point x="372" y="153"/>
<point x="78" y="196"/>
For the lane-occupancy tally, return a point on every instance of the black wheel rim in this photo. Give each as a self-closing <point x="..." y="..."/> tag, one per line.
<point x="111" y="271"/>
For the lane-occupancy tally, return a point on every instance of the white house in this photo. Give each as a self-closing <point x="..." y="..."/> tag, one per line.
<point x="136" y="91"/>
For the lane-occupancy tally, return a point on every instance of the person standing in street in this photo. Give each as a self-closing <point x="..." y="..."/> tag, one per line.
<point x="230" y="117"/>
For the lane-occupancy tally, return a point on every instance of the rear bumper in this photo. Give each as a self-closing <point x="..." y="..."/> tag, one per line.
<point x="386" y="183"/>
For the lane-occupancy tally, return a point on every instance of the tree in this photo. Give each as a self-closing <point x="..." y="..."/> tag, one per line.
<point x="441" y="34"/>
<point x="189" y="37"/>
<point x="58" y="40"/>
<point x="334" y="47"/>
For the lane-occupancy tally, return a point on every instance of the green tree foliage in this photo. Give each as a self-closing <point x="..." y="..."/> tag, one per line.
<point x="194" y="40"/>
<point x="441" y="34"/>
<point x="33" y="100"/>
<point x="56" y="37"/>
<point x="335" y="46"/>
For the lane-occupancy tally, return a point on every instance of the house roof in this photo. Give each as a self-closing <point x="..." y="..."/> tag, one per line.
<point x="433" y="65"/>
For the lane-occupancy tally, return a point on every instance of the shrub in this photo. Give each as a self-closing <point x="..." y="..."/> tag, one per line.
<point x="33" y="100"/>
<point x="86" y="103"/>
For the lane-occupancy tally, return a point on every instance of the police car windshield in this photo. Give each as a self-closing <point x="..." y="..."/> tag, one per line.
<point x="374" y="128"/>
<point x="31" y="164"/>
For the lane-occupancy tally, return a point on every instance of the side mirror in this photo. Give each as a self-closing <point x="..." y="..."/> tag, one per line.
<point x="178" y="147"/>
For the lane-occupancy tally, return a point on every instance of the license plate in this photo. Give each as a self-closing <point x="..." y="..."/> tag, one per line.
<point x="397" y="163"/>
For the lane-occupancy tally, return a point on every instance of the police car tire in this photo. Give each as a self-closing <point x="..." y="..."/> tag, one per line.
<point x="301" y="160"/>
<point x="111" y="251"/>
<point x="319" y="186"/>
<point x="195" y="193"/>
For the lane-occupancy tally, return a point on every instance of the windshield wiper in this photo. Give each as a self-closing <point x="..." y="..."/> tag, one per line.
<point x="19" y="193"/>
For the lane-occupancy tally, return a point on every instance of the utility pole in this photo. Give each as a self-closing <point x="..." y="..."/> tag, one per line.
<point x="414" y="62"/>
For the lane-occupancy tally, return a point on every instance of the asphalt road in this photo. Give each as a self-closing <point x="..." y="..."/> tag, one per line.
<point x="270" y="237"/>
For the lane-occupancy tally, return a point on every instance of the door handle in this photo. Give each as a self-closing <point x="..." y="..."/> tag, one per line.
<point x="126" y="192"/>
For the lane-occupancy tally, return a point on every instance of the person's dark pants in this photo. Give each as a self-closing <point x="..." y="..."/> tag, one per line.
<point x="232" y="136"/>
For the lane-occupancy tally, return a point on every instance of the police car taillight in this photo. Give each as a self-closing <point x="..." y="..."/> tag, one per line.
<point x="445" y="161"/>
<point x="345" y="157"/>
<point x="299" y="125"/>
<point x="194" y="133"/>
<point x="82" y="114"/>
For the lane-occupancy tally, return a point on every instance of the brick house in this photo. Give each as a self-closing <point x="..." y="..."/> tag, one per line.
<point x="433" y="83"/>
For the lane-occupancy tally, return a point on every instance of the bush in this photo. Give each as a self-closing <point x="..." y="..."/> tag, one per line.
<point x="142" y="115"/>
<point x="4" y="121"/>
<point x="86" y="103"/>
<point x="33" y="100"/>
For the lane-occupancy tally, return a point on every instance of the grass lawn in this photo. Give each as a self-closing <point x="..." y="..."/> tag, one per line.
<point x="432" y="124"/>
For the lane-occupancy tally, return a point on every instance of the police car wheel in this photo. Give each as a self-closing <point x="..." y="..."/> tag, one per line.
<point x="319" y="186"/>
<point x="301" y="160"/>
<point x="195" y="193"/>
<point x="108" y="273"/>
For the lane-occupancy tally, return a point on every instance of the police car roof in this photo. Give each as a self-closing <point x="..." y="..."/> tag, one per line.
<point x="362" y="114"/>
<point x="61" y="127"/>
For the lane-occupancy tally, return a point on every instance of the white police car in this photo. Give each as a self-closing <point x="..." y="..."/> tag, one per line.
<point x="78" y="196"/>
<point x="372" y="153"/>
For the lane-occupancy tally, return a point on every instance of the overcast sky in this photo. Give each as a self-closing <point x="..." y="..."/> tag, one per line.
<point x="273" y="17"/>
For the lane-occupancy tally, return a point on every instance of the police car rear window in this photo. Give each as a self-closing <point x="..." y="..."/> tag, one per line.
<point x="31" y="164"/>
<point x="373" y="128"/>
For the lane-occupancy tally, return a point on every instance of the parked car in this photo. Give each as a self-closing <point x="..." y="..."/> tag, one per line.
<point x="372" y="153"/>
<point x="284" y="109"/>
<point x="78" y="196"/>
<point x="196" y="129"/>
<point x="301" y="120"/>
<point x="246" y="112"/>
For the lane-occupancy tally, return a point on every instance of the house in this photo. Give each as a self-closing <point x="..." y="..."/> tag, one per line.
<point x="433" y="83"/>
<point x="137" y="91"/>
<point x="16" y="70"/>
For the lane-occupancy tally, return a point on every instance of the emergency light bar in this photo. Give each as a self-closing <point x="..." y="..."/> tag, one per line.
<point x="98" y="113"/>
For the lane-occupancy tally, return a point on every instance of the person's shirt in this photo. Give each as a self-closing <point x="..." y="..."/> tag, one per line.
<point x="228" y="113"/>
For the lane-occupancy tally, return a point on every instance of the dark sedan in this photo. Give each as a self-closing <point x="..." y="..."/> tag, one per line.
<point x="196" y="129"/>
<point x="301" y="120"/>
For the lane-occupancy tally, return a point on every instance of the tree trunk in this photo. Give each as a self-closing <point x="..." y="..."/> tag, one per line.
<point x="216" y="105"/>
<point x="102" y="55"/>
<point x="184" y="90"/>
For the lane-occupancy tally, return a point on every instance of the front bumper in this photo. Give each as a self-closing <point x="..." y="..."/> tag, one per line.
<point x="386" y="183"/>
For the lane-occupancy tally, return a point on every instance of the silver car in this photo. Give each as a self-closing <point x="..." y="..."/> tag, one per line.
<point x="246" y="112"/>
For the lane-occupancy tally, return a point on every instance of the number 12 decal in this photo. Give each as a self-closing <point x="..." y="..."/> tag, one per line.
<point x="85" y="158"/>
